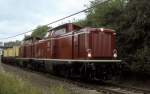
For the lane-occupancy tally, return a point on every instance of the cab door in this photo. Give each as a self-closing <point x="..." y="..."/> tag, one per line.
<point x="75" y="47"/>
<point x="54" y="50"/>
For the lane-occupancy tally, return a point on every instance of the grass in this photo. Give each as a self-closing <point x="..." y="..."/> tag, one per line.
<point x="11" y="84"/>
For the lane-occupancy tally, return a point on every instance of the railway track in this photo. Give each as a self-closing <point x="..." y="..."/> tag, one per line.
<point x="144" y="91"/>
<point x="118" y="90"/>
<point x="104" y="88"/>
<point x="113" y="89"/>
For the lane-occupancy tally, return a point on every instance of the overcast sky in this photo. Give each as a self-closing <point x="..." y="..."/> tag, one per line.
<point x="18" y="16"/>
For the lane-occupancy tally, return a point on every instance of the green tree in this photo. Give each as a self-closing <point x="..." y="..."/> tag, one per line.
<point x="81" y="22"/>
<point x="40" y="31"/>
<point x="134" y="34"/>
<point x="103" y="15"/>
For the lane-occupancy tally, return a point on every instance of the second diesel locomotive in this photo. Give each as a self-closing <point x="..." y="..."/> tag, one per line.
<point x="71" y="51"/>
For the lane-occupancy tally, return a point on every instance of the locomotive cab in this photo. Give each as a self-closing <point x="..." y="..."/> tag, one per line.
<point x="63" y="29"/>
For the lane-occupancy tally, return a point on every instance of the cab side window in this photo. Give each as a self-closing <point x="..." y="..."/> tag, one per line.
<point x="60" y="32"/>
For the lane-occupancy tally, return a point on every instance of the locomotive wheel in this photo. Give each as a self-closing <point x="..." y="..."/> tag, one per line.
<point x="87" y="73"/>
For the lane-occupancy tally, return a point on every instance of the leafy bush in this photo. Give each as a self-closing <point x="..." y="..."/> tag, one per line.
<point x="142" y="59"/>
<point x="133" y="35"/>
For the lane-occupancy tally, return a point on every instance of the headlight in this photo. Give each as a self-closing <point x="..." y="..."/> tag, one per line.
<point x="115" y="55"/>
<point x="102" y="29"/>
<point x="89" y="53"/>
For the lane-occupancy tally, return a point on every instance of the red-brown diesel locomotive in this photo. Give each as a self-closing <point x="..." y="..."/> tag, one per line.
<point x="72" y="51"/>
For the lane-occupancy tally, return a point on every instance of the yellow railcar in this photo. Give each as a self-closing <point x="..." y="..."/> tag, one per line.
<point x="5" y="53"/>
<point x="16" y="51"/>
<point x="10" y="52"/>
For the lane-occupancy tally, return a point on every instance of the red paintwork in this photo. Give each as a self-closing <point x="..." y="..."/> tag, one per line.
<point x="102" y="44"/>
<point x="72" y="43"/>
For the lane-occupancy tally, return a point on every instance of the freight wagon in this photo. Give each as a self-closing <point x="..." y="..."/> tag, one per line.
<point x="10" y="54"/>
<point x="72" y="51"/>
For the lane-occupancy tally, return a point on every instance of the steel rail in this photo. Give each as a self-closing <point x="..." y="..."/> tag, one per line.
<point x="145" y="91"/>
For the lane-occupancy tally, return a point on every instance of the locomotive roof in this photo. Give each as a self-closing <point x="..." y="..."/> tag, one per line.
<point x="63" y="25"/>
